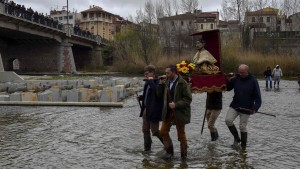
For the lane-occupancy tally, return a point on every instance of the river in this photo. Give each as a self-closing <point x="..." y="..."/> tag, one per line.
<point x="80" y="137"/>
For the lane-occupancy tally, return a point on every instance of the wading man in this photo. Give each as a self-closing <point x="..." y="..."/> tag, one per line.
<point x="176" y="109"/>
<point x="213" y="110"/>
<point x="247" y="97"/>
<point x="151" y="107"/>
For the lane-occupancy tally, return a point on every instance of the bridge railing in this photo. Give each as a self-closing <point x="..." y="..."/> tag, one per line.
<point x="10" y="8"/>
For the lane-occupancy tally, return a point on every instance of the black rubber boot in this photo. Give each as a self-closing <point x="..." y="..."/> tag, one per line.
<point x="213" y="136"/>
<point x="244" y="140"/>
<point x="216" y="134"/>
<point x="147" y="142"/>
<point x="235" y="134"/>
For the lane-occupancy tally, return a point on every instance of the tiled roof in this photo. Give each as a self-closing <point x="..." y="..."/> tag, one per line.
<point x="185" y="16"/>
<point x="95" y="9"/>
<point x="264" y="11"/>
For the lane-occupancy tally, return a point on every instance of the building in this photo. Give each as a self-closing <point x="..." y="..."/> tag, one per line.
<point x="99" y="22"/>
<point x="293" y="22"/>
<point x="206" y="21"/>
<point x="265" y="20"/>
<point x="175" y="30"/>
<point x="62" y="17"/>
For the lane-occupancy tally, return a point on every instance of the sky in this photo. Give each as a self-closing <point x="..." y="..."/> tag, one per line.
<point x="124" y="8"/>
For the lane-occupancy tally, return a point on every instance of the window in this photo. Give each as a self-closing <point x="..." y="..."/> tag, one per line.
<point x="201" y="26"/>
<point x="181" y="23"/>
<point x="253" y="19"/>
<point x="60" y="18"/>
<point x="268" y="19"/>
<point x="71" y="17"/>
<point x="211" y="26"/>
<point x="261" y="19"/>
<point x="65" y="17"/>
<point x="190" y="22"/>
<point x="55" y="18"/>
<point x="173" y="23"/>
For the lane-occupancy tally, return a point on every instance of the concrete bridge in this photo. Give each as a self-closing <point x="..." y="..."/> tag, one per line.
<point x="28" y="44"/>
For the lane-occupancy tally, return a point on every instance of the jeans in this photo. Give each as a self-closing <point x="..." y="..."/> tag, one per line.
<point x="211" y="117"/>
<point x="149" y="125"/>
<point x="268" y="79"/>
<point x="232" y="115"/>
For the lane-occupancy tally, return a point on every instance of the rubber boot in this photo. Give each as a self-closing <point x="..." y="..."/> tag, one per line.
<point x="213" y="136"/>
<point x="183" y="150"/>
<point x="236" y="136"/>
<point x="243" y="140"/>
<point x="216" y="134"/>
<point x="147" y="142"/>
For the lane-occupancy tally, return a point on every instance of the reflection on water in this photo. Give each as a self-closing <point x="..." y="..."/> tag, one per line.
<point x="73" y="137"/>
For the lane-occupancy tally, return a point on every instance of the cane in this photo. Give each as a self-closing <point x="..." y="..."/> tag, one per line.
<point x="138" y="99"/>
<point x="203" y="121"/>
<point x="248" y="110"/>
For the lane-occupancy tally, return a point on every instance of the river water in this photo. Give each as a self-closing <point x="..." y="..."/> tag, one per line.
<point x="79" y="137"/>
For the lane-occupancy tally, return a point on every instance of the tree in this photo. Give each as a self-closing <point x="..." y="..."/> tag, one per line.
<point x="189" y="5"/>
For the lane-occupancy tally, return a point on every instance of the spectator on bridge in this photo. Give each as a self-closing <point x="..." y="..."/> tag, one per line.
<point x="36" y="17"/>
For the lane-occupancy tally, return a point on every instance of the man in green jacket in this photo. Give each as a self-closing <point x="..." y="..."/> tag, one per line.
<point x="176" y="109"/>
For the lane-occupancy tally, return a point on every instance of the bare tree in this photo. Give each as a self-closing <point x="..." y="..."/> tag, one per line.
<point x="149" y="12"/>
<point x="159" y="10"/>
<point x="189" y="5"/>
<point x="176" y="7"/>
<point x="290" y="7"/>
<point x="168" y="7"/>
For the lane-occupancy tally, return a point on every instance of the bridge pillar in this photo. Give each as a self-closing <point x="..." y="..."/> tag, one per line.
<point x="66" y="61"/>
<point x="96" y="57"/>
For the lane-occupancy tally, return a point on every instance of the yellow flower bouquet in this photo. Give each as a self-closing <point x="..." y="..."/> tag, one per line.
<point x="185" y="67"/>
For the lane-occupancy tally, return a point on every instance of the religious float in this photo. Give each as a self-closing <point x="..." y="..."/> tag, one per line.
<point x="204" y="70"/>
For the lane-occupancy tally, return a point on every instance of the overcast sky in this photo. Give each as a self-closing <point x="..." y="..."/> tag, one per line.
<point x="124" y="8"/>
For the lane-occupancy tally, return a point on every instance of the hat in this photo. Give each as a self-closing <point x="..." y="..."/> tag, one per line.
<point x="277" y="65"/>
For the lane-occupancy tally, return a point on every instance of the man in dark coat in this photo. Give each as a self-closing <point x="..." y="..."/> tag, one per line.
<point x="151" y="107"/>
<point x="176" y="109"/>
<point x="246" y="101"/>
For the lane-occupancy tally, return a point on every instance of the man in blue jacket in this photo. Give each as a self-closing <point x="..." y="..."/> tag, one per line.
<point x="246" y="101"/>
<point x="151" y="107"/>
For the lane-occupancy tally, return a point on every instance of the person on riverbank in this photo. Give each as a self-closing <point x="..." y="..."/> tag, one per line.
<point x="268" y="77"/>
<point x="151" y="107"/>
<point x="176" y="109"/>
<point x="213" y="110"/>
<point x="277" y="73"/>
<point x="246" y="101"/>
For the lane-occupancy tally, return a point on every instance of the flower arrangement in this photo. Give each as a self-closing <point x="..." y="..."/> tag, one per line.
<point x="185" y="67"/>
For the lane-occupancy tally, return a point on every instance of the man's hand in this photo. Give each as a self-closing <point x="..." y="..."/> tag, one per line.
<point x="172" y="105"/>
<point x="162" y="79"/>
<point x="139" y="98"/>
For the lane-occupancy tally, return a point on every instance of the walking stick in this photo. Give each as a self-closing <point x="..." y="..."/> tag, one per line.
<point x="248" y="110"/>
<point x="203" y="121"/>
<point x="138" y="99"/>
